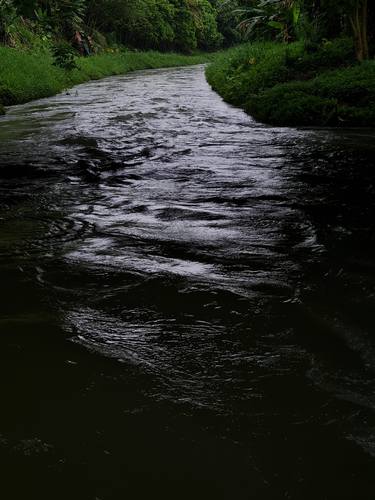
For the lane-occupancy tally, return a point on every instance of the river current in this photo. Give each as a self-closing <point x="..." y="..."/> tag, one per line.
<point x="187" y="299"/>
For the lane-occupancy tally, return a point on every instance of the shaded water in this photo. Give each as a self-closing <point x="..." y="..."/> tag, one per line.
<point x="187" y="299"/>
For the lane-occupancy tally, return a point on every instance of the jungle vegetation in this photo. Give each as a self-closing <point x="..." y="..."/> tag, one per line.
<point x="183" y="25"/>
<point x="289" y="61"/>
<point x="309" y="62"/>
<point x="39" y="55"/>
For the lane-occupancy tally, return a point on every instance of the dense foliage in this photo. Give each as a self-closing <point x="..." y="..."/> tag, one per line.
<point x="308" y="62"/>
<point x="184" y="25"/>
<point x="298" y="84"/>
<point x="314" y="20"/>
<point x="40" y="40"/>
<point x="27" y="75"/>
<point x="187" y="25"/>
<point x="305" y="63"/>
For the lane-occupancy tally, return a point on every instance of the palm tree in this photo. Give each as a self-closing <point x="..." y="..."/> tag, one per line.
<point x="280" y="15"/>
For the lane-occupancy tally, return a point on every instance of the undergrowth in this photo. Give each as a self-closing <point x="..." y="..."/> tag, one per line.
<point x="298" y="84"/>
<point x="32" y="74"/>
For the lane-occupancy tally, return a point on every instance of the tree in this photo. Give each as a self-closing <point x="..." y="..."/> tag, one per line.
<point x="8" y="15"/>
<point x="271" y="18"/>
<point x="282" y="18"/>
<point x="359" y="23"/>
<point x="351" y="16"/>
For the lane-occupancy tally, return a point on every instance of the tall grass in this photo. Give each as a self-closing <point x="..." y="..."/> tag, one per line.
<point x="297" y="84"/>
<point x="28" y="74"/>
<point x="247" y="69"/>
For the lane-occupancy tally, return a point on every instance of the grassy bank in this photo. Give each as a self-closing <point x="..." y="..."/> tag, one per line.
<point x="297" y="84"/>
<point x="27" y="75"/>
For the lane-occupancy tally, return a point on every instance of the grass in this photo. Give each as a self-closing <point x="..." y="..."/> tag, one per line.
<point x="298" y="84"/>
<point x="30" y="74"/>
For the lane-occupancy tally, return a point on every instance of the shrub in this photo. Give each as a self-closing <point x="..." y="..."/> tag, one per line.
<point x="64" y="56"/>
<point x="328" y="54"/>
<point x="295" y="84"/>
<point x="285" y="106"/>
<point x="148" y="25"/>
<point x="183" y="25"/>
<point x="249" y="69"/>
<point x="6" y="96"/>
<point x="208" y="36"/>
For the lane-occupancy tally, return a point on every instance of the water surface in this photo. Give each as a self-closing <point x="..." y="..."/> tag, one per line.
<point x="187" y="298"/>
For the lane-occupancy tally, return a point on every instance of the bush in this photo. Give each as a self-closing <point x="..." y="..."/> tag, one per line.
<point x="316" y="57"/>
<point x="296" y="85"/>
<point x="208" y="36"/>
<point x="148" y="25"/>
<point x="64" y="56"/>
<point x="339" y="97"/>
<point x="250" y="68"/>
<point x="353" y="85"/>
<point x="183" y="25"/>
<point x="195" y="25"/>
<point x="6" y="96"/>
<point x="8" y="16"/>
<point x="286" y="106"/>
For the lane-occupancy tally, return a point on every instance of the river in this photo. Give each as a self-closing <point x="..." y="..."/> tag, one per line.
<point x="187" y="299"/>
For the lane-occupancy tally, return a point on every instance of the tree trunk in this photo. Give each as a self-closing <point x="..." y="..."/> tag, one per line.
<point x="359" y="23"/>
<point x="365" y="29"/>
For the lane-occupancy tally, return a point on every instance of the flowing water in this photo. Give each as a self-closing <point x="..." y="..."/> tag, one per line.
<point x="187" y="299"/>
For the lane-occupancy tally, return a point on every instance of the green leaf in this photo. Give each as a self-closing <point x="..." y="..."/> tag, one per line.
<point x="276" y="24"/>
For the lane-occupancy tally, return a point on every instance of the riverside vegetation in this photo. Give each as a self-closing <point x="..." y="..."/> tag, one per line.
<point x="187" y="297"/>
<point x="290" y="85"/>
<point x="310" y="63"/>
<point x="305" y="62"/>
<point x="38" y="49"/>
<point x="28" y="75"/>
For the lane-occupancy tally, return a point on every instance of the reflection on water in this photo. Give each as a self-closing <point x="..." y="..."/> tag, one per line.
<point x="215" y="279"/>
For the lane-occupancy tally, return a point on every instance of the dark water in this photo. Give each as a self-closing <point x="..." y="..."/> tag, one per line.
<point x="187" y="299"/>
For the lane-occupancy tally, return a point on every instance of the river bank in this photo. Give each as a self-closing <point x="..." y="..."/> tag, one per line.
<point x="30" y="74"/>
<point x="298" y="84"/>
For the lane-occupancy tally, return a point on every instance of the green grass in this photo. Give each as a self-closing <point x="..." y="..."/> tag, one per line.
<point x="246" y="69"/>
<point x="343" y="97"/>
<point x="27" y="75"/>
<point x="297" y="84"/>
